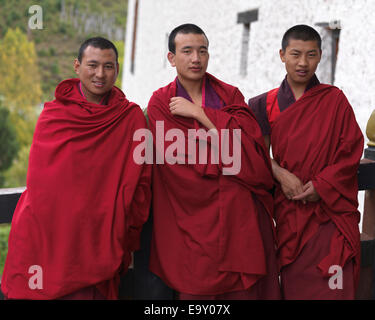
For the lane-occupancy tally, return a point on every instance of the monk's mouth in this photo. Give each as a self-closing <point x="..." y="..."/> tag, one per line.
<point x="302" y="73"/>
<point x="99" y="84"/>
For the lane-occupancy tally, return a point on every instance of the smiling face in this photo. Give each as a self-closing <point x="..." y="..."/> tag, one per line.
<point x="97" y="71"/>
<point x="301" y="60"/>
<point x="191" y="57"/>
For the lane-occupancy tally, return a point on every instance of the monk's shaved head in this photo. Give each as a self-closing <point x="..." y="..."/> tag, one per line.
<point x="301" y="32"/>
<point x="185" y="29"/>
<point x="96" y="42"/>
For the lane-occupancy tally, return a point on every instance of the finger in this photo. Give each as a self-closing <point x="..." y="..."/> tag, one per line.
<point x="307" y="186"/>
<point x="176" y="99"/>
<point x="297" y="191"/>
<point x="301" y="196"/>
<point x="289" y="196"/>
<point x="300" y="190"/>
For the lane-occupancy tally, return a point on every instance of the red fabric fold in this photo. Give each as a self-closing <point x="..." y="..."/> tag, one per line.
<point x="318" y="139"/>
<point x="206" y="236"/>
<point x="86" y="199"/>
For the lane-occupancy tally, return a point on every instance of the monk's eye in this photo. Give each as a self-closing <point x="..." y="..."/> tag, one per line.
<point x="108" y="67"/>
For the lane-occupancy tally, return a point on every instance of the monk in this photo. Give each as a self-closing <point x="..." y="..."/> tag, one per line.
<point x="213" y="229"/>
<point x="85" y="202"/>
<point x="316" y="145"/>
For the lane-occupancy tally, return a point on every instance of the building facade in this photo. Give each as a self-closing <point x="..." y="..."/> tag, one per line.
<point x="245" y="38"/>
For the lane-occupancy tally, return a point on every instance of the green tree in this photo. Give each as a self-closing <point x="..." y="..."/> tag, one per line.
<point x="8" y="142"/>
<point x="15" y="176"/>
<point x="120" y="49"/>
<point x="20" y="82"/>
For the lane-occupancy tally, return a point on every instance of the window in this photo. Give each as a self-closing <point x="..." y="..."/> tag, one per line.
<point x="246" y="18"/>
<point x="330" y="46"/>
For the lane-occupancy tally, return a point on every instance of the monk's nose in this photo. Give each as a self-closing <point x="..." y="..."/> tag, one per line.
<point x="100" y="72"/>
<point x="195" y="57"/>
<point x="302" y="61"/>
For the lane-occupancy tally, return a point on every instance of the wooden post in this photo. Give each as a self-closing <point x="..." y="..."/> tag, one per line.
<point x="366" y="286"/>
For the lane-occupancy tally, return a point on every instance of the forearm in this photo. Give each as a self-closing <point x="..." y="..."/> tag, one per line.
<point x="277" y="171"/>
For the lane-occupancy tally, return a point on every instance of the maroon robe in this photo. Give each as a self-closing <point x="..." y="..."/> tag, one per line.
<point x="317" y="138"/>
<point x="208" y="234"/>
<point x="86" y="199"/>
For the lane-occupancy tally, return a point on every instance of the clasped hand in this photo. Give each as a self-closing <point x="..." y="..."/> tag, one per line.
<point x="294" y="189"/>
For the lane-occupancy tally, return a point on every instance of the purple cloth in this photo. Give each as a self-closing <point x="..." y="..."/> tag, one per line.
<point x="212" y="99"/>
<point x="285" y="99"/>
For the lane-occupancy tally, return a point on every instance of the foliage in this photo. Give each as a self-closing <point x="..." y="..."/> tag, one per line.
<point x="15" y="176"/>
<point x="20" y="82"/>
<point x="58" y="42"/>
<point x="8" y="142"/>
<point x="4" y="234"/>
<point x="120" y="49"/>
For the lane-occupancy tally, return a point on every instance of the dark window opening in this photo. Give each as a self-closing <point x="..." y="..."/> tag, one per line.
<point x="333" y="28"/>
<point x="246" y="18"/>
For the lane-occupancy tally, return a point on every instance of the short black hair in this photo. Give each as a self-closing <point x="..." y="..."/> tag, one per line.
<point x="185" y="29"/>
<point x="96" y="42"/>
<point x="301" y="32"/>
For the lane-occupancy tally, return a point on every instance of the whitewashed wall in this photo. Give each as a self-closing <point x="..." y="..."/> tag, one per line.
<point x="355" y="70"/>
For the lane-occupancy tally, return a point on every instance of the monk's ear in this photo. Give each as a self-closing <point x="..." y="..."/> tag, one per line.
<point x="171" y="58"/>
<point x="76" y="66"/>
<point x="282" y="55"/>
<point x="320" y="54"/>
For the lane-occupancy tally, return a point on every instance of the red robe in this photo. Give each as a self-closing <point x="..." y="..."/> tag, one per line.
<point x="317" y="138"/>
<point x="86" y="199"/>
<point x="206" y="237"/>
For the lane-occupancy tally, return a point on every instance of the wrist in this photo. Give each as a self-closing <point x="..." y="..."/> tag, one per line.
<point x="277" y="171"/>
<point x="198" y="113"/>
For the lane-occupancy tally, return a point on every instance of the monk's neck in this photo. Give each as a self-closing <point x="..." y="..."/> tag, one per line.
<point x="97" y="99"/>
<point x="193" y="88"/>
<point x="297" y="88"/>
<point x="94" y="99"/>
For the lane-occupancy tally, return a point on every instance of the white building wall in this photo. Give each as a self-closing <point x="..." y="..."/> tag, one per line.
<point x="355" y="69"/>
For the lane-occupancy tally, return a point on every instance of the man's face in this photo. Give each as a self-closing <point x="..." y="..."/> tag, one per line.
<point x="301" y="59"/>
<point x="97" y="71"/>
<point x="191" y="57"/>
